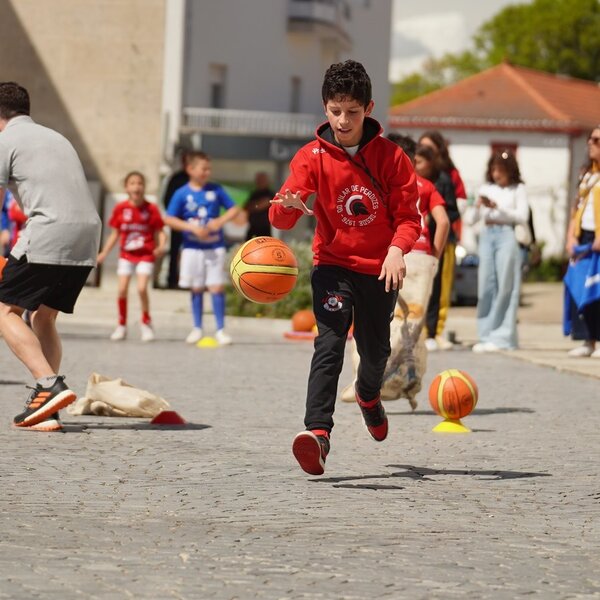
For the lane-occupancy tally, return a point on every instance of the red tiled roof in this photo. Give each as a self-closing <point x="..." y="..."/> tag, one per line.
<point x="506" y="97"/>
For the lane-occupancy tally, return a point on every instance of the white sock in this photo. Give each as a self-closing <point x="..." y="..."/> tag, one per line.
<point x="47" y="382"/>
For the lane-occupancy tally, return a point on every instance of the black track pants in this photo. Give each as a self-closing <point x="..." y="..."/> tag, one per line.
<point x="339" y="295"/>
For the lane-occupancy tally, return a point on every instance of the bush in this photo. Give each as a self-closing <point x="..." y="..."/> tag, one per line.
<point x="299" y="298"/>
<point x="552" y="268"/>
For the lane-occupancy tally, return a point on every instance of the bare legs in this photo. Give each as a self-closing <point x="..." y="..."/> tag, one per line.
<point x="39" y="347"/>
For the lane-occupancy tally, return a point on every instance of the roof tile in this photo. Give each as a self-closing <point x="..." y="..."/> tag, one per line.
<point x="507" y="96"/>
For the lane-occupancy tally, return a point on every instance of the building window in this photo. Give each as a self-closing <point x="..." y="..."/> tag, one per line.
<point x="296" y="90"/>
<point x="218" y="77"/>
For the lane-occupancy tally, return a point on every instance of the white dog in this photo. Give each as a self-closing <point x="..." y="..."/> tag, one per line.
<point x="408" y="359"/>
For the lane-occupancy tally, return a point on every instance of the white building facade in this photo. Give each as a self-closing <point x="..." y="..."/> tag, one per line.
<point x="243" y="79"/>
<point x="545" y="119"/>
<point x="545" y="163"/>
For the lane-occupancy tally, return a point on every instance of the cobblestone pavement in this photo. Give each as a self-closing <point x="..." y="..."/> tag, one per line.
<point x="113" y="508"/>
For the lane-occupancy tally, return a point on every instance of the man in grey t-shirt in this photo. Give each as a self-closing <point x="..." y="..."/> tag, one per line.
<point x="57" y="249"/>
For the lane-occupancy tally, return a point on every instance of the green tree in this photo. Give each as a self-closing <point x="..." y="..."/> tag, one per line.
<point x="413" y="86"/>
<point x="557" y="36"/>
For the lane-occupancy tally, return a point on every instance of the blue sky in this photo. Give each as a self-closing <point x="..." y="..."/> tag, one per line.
<point x="434" y="27"/>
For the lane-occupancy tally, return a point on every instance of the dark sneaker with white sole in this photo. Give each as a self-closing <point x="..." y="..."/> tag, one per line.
<point x="310" y="449"/>
<point x="44" y="402"/>
<point x="374" y="417"/>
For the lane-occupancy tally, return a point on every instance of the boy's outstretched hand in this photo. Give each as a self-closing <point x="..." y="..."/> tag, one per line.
<point x="393" y="269"/>
<point x="289" y="200"/>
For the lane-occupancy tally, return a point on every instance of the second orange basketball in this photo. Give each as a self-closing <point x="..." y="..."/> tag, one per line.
<point x="264" y="270"/>
<point x="453" y="394"/>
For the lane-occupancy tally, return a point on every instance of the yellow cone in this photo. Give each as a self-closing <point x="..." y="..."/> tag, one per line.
<point x="451" y="426"/>
<point x="207" y="342"/>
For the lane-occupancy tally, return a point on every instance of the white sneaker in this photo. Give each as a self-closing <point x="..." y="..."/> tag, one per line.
<point x="443" y="343"/>
<point x="120" y="333"/>
<point x="223" y="338"/>
<point x="584" y="350"/>
<point x="194" y="336"/>
<point x="484" y="347"/>
<point x="147" y="333"/>
<point x="595" y="354"/>
<point x="431" y="344"/>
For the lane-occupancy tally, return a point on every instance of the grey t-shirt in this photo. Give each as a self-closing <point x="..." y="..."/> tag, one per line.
<point x="42" y="167"/>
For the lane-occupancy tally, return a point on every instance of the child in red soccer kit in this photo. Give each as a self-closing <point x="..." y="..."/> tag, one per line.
<point x="139" y="225"/>
<point x="17" y="219"/>
<point x="431" y="206"/>
<point x="367" y="219"/>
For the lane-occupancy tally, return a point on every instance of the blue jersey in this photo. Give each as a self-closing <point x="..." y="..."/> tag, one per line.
<point x="5" y="202"/>
<point x="200" y="207"/>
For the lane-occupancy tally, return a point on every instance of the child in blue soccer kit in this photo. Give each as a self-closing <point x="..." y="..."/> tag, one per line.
<point x="195" y="209"/>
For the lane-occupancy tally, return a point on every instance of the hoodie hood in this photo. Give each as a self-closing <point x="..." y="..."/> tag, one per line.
<point x="371" y="130"/>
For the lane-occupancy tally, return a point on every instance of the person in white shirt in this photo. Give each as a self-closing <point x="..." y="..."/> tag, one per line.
<point x="501" y="205"/>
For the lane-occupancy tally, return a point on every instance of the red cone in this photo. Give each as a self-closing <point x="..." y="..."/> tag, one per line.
<point x="168" y="417"/>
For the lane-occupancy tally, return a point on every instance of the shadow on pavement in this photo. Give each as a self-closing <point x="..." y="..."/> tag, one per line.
<point x="478" y="411"/>
<point x="424" y="474"/>
<point x="82" y="427"/>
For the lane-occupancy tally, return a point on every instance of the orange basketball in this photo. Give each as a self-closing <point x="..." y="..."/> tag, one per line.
<point x="453" y="394"/>
<point x="303" y="320"/>
<point x="264" y="270"/>
<point x="2" y="265"/>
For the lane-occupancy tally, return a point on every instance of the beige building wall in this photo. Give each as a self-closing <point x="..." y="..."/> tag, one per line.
<point x="94" y="70"/>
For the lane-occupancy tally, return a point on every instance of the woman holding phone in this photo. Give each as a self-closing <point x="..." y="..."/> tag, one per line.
<point x="501" y="204"/>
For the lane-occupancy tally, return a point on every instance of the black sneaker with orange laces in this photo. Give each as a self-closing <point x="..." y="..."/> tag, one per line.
<point x="44" y="402"/>
<point x="310" y="449"/>
<point x="374" y="416"/>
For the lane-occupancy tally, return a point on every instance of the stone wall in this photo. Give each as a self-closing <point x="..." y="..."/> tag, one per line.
<point x="94" y="71"/>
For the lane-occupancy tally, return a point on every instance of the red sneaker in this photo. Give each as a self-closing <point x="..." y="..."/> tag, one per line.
<point x="374" y="417"/>
<point x="310" y="449"/>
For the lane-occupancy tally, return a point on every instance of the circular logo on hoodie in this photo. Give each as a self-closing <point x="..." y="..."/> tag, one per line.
<point x="357" y="205"/>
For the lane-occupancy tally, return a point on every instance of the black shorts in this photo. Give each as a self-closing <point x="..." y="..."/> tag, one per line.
<point x="28" y="285"/>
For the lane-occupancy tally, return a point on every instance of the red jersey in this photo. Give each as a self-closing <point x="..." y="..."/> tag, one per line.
<point x="17" y="219"/>
<point x="459" y="190"/>
<point x="457" y="182"/>
<point x="137" y="225"/>
<point x="364" y="204"/>
<point x="429" y="198"/>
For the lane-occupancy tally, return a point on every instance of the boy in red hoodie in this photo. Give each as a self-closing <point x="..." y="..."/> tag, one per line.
<point x="367" y="220"/>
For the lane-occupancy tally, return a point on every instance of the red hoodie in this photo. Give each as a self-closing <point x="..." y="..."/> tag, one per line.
<point x="364" y="204"/>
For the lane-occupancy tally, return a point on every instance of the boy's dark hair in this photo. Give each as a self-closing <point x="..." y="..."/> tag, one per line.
<point x="134" y="174"/>
<point x="14" y="100"/>
<point x="441" y="144"/>
<point x="428" y="153"/>
<point x="194" y="155"/>
<point x="405" y="142"/>
<point x="347" y="80"/>
<point x="507" y="160"/>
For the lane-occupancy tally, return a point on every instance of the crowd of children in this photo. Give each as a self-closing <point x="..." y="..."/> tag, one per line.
<point x="194" y="211"/>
